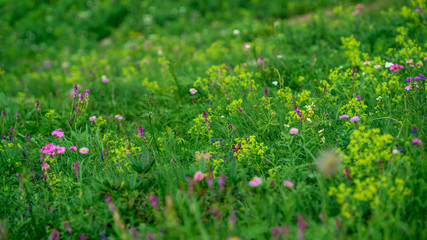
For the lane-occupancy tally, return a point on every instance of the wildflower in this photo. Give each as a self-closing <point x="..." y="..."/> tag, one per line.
<point x="328" y="162"/>
<point x="222" y="180"/>
<point x="345" y="116"/>
<point x="347" y="173"/>
<point x="395" y="67"/>
<point x="47" y="63"/>
<point x="73" y="148"/>
<point x="28" y="137"/>
<point x="58" y="132"/>
<point x="395" y="151"/>
<point x="417" y="141"/>
<point x="293" y="131"/>
<point x="408" y="87"/>
<point x="76" y="168"/>
<point x="87" y="92"/>
<point x="277" y="230"/>
<point x="354" y="119"/>
<point x="358" y="97"/>
<point x="275" y="83"/>
<point x="17" y="116"/>
<point x="298" y="111"/>
<point x="104" y="78"/>
<point x="54" y="235"/>
<point x="45" y="166"/>
<point x="255" y="181"/>
<point x="309" y="119"/>
<point x="266" y="92"/>
<point x="84" y="150"/>
<point x="75" y="89"/>
<point x="37" y="105"/>
<point x="287" y="183"/>
<point x="60" y="150"/>
<point x="154" y="201"/>
<point x="236" y="32"/>
<point x="302" y="225"/>
<point x="193" y="91"/>
<point x="415" y="78"/>
<point x="409" y="61"/>
<point x="367" y="62"/>
<point x="388" y="64"/>
<point x="92" y="119"/>
<point x="141" y="131"/>
<point x="246" y="46"/>
<point x="118" y="116"/>
<point x="408" y="79"/>
<point x="67" y="226"/>
<point x="198" y="176"/>
<point x="377" y="66"/>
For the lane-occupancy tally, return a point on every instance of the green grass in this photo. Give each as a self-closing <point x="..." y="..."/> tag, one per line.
<point x="352" y="180"/>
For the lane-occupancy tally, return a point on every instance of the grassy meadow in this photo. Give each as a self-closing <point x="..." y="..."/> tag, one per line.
<point x="281" y="119"/>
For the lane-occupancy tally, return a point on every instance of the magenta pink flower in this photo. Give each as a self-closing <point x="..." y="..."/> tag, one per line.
<point x="255" y="181"/>
<point x="73" y="148"/>
<point x="92" y="119"/>
<point x="287" y="183"/>
<point x="293" y="131"/>
<point x="345" y="116"/>
<point x="395" y="67"/>
<point x="408" y="87"/>
<point x="60" y="150"/>
<point x="58" y="132"/>
<point x="198" y="176"/>
<point x="417" y="141"/>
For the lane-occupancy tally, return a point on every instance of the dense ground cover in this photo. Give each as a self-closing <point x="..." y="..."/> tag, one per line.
<point x="213" y="119"/>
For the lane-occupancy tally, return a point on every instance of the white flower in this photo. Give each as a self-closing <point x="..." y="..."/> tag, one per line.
<point x="236" y="32"/>
<point x="340" y="67"/>
<point x="395" y="151"/>
<point x="275" y="83"/>
<point x="308" y="119"/>
<point x="379" y="98"/>
<point x="363" y="73"/>
<point x="286" y="125"/>
<point x="388" y="64"/>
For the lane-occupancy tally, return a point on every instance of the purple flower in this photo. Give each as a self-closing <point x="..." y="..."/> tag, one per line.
<point x="417" y="78"/>
<point x="54" y="235"/>
<point x="67" y="226"/>
<point x="347" y="173"/>
<point x="28" y="137"/>
<point x="358" y="97"/>
<point x="76" y="168"/>
<point x="414" y="130"/>
<point x="75" y="89"/>
<point x="87" y="92"/>
<point x="17" y="116"/>
<point x="222" y="180"/>
<point x="47" y="63"/>
<point x="345" y="116"/>
<point x="354" y="119"/>
<point x="266" y="92"/>
<point x="154" y="201"/>
<point x="409" y="79"/>
<point x="302" y="225"/>
<point x="81" y="95"/>
<point x="293" y="131"/>
<point x="134" y="233"/>
<point x="417" y="141"/>
<point x="141" y="131"/>
<point x="298" y="111"/>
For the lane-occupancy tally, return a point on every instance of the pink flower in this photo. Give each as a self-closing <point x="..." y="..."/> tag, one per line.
<point x="84" y="150"/>
<point x="408" y="87"/>
<point x="58" y="132"/>
<point x="345" y="116"/>
<point x="45" y="166"/>
<point x="417" y="141"/>
<point x="198" y="176"/>
<point x="92" y="119"/>
<point x="354" y="119"/>
<point x="104" y="79"/>
<point x="193" y="91"/>
<point x="60" y="150"/>
<point x="377" y="66"/>
<point x="118" y="116"/>
<point x="395" y="67"/>
<point x="255" y="181"/>
<point x="287" y="183"/>
<point x="73" y="148"/>
<point x="293" y="131"/>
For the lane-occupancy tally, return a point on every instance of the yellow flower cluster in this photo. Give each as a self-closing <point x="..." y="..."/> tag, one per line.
<point x="250" y="150"/>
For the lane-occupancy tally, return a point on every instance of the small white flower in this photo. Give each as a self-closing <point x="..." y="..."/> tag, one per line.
<point x="286" y="125"/>
<point x="379" y="98"/>
<point x="236" y="32"/>
<point x="363" y="73"/>
<point x="275" y="83"/>
<point x="308" y="119"/>
<point x="222" y="116"/>
<point x="340" y="67"/>
<point x="395" y="151"/>
<point x="388" y="64"/>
